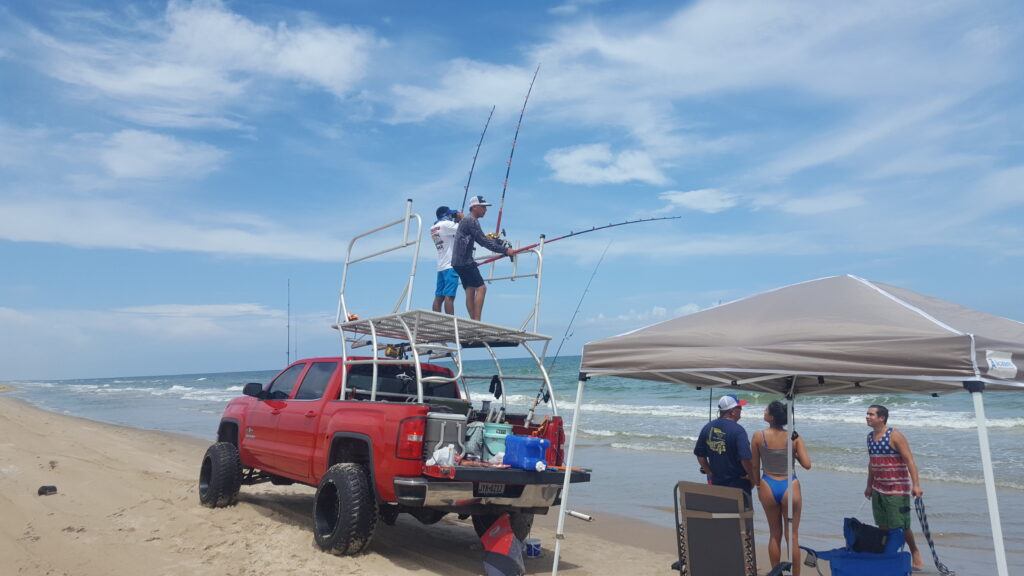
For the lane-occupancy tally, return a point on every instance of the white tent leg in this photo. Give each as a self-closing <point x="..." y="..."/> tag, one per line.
<point x="564" y="508"/>
<point x="990" y="481"/>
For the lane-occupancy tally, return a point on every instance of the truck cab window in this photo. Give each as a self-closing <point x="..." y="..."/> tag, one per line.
<point x="397" y="380"/>
<point x="316" y="380"/>
<point x="281" y="387"/>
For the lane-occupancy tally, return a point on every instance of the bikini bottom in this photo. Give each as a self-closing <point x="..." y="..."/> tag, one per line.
<point x="778" y="487"/>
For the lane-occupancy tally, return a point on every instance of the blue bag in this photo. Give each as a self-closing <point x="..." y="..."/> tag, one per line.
<point x="889" y="561"/>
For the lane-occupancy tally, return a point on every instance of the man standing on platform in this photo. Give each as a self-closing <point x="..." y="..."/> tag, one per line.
<point x="443" y="235"/>
<point x="892" y="477"/>
<point x="723" y="447"/>
<point x="466" y="237"/>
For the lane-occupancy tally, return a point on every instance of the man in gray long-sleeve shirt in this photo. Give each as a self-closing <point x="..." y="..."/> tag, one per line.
<point x="466" y="237"/>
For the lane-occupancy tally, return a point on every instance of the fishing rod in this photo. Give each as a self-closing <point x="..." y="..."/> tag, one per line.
<point x="579" y="304"/>
<point x="288" y="325"/>
<point x="475" y="154"/>
<point x="543" y="394"/>
<point x="577" y="233"/>
<point x="508" y="168"/>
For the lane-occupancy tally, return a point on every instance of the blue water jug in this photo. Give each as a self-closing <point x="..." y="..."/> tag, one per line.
<point x="524" y="452"/>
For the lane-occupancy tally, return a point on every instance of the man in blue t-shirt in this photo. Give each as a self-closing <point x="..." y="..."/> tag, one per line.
<point x="723" y="448"/>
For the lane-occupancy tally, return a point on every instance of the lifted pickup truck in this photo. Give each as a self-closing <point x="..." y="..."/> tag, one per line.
<point x="322" y="422"/>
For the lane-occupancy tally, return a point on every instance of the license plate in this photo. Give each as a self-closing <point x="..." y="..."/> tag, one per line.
<point x="490" y="489"/>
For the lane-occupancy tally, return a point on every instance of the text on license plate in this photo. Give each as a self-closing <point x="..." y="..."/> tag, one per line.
<point x="490" y="489"/>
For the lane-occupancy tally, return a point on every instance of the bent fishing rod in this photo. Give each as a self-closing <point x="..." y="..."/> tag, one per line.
<point x="508" y="168"/>
<point x="475" y="154"/>
<point x="576" y="233"/>
<point x="543" y="393"/>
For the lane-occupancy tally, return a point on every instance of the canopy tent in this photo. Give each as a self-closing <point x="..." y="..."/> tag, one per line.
<point x="836" y="335"/>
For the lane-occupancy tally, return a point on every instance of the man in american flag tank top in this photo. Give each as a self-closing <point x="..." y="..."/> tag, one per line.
<point x="892" y="477"/>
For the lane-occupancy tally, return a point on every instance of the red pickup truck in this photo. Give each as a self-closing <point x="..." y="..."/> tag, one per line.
<point x="366" y="457"/>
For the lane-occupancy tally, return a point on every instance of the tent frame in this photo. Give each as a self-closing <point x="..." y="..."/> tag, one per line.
<point x="974" y="387"/>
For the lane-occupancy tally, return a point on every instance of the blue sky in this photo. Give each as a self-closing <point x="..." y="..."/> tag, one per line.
<point x="165" y="168"/>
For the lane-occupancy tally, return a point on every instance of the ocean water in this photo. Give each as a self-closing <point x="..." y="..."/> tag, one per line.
<point x="617" y="413"/>
<point x="639" y="436"/>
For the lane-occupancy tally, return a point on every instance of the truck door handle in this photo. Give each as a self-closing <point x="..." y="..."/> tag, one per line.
<point x="310" y="414"/>
<point x="275" y="412"/>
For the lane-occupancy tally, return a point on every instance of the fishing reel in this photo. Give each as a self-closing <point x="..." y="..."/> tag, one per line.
<point x="397" y="351"/>
<point x="501" y="239"/>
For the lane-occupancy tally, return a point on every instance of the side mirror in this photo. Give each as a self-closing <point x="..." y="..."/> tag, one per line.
<point x="254" y="389"/>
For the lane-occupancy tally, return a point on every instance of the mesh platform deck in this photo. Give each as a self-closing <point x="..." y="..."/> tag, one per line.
<point x="429" y="327"/>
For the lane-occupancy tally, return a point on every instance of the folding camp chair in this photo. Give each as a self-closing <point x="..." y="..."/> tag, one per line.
<point x="714" y="530"/>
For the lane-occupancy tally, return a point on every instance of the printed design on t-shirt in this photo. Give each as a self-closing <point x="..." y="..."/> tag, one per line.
<point x="443" y="235"/>
<point x="716" y="440"/>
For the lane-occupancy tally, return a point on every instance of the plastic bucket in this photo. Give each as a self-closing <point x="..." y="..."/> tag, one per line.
<point x="532" y="547"/>
<point x="494" y="437"/>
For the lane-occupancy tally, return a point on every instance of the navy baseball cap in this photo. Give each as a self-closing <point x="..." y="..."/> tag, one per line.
<point x="442" y="211"/>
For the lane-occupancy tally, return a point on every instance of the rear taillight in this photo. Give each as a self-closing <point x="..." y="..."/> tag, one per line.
<point x="410" y="438"/>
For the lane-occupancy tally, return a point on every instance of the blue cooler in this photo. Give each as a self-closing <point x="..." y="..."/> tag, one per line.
<point x="524" y="452"/>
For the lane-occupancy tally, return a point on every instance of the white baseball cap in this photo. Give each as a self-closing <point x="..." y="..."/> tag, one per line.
<point x="478" y="201"/>
<point x="728" y="402"/>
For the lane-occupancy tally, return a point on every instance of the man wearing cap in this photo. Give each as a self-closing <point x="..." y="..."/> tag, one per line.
<point x="443" y="235"/>
<point x="723" y="448"/>
<point x="467" y="237"/>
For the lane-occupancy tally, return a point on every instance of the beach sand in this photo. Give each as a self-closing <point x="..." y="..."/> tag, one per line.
<point x="127" y="504"/>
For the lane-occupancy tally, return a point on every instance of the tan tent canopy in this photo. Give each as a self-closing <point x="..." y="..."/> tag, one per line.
<point x="838" y="335"/>
<point x="850" y="335"/>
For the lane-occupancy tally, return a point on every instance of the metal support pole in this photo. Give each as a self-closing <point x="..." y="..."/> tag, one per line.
<point x="540" y="272"/>
<point x="789" y="473"/>
<point x="976" y="388"/>
<point x="563" y="509"/>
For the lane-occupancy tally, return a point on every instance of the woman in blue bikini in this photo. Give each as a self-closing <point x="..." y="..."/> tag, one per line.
<point x="768" y="449"/>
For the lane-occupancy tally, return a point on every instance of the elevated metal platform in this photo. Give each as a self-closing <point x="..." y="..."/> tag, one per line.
<point x="423" y="327"/>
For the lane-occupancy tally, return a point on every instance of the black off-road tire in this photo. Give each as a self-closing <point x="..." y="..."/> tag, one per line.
<point x="522" y="523"/>
<point x="220" y="476"/>
<point x="345" y="510"/>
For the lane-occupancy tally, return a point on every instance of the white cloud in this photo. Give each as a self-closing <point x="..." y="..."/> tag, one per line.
<point x="708" y="200"/>
<point x="672" y="244"/>
<point x="139" y="154"/>
<point x="200" y="62"/>
<point x="882" y="64"/>
<point x="597" y="164"/>
<point x="113" y="224"/>
<point x="572" y="7"/>
<point x="686" y="309"/>
<point x="821" y="204"/>
<point x="156" y="339"/>
<point x="19" y="147"/>
<point x="637" y="317"/>
<point x="855" y="138"/>
<point x="810" y="203"/>
<point x="465" y="85"/>
<point x="201" y="311"/>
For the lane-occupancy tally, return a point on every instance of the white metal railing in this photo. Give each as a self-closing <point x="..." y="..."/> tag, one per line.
<point x="427" y="333"/>
<point x="406" y="294"/>
<point x="538" y="272"/>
